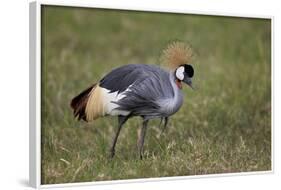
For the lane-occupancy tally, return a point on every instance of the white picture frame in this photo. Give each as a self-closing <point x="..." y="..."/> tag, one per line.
<point x="35" y="94"/>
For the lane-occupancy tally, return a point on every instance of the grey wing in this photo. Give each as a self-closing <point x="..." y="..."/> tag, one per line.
<point x="142" y="96"/>
<point x="121" y="78"/>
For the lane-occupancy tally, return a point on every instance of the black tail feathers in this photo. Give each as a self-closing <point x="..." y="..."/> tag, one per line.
<point x="78" y="103"/>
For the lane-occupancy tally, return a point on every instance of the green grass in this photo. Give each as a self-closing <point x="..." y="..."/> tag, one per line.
<point x="224" y="126"/>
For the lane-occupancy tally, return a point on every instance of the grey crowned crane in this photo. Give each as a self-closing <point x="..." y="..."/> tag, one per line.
<point x="141" y="90"/>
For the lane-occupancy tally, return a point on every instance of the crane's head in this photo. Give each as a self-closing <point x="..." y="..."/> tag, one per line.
<point x="185" y="73"/>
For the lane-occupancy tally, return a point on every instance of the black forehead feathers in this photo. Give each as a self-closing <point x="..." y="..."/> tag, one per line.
<point x="188" y="70"/>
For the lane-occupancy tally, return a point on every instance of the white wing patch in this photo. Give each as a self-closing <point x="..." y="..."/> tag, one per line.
<point x="111" y="107"/>
<point x="180" y="73"/>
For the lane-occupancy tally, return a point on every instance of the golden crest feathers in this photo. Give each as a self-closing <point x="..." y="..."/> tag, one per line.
<point x="176" y="54"/>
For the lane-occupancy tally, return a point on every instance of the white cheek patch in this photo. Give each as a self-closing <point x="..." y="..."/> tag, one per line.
<point x="180" y="73"/>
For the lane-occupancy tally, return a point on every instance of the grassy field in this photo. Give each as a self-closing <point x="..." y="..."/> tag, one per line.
<point x="224" y="126"/>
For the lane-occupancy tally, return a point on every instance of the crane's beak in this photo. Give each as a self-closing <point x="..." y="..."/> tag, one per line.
<point x="188" y="81"/>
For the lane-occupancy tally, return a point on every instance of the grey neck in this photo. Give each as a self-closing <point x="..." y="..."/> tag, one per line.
<point x="178" y="96"/>
<point x="173" y="82"/>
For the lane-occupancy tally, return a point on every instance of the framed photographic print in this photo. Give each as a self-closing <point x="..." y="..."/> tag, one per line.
<point x="122" y="95"/>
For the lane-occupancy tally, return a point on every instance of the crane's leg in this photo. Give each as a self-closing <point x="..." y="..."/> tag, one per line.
<point x="161" y="120"/>
<point x="121" y="121"/>
<point x="166" y="119"/>
<point x="141" y="138"/>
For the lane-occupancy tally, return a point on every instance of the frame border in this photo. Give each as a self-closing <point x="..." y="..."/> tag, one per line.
<point x="35" y="92"/>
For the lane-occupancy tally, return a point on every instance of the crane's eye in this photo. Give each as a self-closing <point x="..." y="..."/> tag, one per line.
<point x="189" y="70"/>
